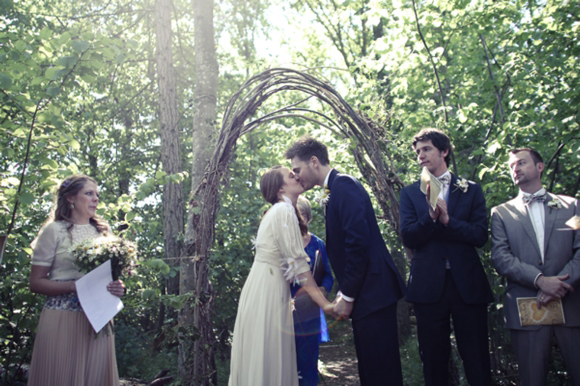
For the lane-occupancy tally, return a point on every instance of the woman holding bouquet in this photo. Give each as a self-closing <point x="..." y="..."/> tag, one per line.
<point x="66" y="350"/>
<point x="263" y="348"/>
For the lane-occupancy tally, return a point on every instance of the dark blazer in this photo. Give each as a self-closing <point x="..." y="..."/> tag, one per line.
<point x="363" y="266"/>
<point x="432" y="243"/>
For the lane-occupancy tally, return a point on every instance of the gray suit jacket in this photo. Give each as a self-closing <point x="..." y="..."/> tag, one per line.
<point x="516" y="255"/>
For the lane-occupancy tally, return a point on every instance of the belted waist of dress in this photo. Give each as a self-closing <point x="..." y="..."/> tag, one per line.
<point x="265" y="260"/>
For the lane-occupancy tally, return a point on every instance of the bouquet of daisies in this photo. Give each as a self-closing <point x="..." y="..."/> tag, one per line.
<point x="91" y="253"/>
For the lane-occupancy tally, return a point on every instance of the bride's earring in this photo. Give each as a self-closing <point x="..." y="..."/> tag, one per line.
<point x="72" y="206"/>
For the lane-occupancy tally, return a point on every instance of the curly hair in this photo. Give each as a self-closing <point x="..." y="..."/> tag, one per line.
<point x="307" y="147"/>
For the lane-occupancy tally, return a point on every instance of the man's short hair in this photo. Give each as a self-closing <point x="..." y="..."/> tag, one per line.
<point x="306" y="147"/>
<point x="535" y="155"/>
<point x="438" y="138"/>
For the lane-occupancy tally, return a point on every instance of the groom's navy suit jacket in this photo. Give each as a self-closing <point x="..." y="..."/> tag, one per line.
<point x="363" y="267"/>
<point x="433" y="243"/>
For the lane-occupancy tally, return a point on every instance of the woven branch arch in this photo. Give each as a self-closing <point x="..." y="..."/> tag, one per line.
<point x="347" y="123"/>
<point x="380" y="175"/>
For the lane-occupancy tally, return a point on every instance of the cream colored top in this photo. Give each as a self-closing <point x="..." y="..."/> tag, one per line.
<point x="279" y="241"/>
<point x="53" y="245"/>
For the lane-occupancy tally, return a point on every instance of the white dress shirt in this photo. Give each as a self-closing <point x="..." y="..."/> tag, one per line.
<point x="444" y="193"/>
<point x="537" y="216"/>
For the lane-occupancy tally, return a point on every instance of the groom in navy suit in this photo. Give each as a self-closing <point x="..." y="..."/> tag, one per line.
<point x="447" y="278"/>
<point x="369" y="282"/>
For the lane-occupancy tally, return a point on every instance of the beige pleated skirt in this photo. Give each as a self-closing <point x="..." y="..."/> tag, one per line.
<point x="68" y="353"/>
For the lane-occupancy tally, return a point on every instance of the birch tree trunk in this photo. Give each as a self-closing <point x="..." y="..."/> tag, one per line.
<point x="196" y="344"/>
<point x="173" y="205"/>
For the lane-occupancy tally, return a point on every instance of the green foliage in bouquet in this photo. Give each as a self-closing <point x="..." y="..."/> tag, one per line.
<point x="91" y="253"/>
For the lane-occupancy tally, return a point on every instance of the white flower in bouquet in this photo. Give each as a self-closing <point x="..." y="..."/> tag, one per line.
<point x="91" y="253"/>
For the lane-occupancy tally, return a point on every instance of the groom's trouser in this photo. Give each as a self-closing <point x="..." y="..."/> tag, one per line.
<point x="377" y="348"/>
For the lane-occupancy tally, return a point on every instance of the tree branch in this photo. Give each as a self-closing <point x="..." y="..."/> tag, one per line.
<point x="432" y="62"/>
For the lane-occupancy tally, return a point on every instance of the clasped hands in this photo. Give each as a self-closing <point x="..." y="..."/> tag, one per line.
<point x="339" y="308"/>
<point x="552" y="288"/>
<point x="440" y="211"/>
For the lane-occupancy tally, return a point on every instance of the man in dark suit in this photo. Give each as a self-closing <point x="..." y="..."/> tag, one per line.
<point x="540" y="256"/>
<point x="369" y="282"/>
<point x="447" y="278"/>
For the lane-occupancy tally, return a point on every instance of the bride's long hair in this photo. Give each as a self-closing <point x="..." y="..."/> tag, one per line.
<point x="270" y="185"/>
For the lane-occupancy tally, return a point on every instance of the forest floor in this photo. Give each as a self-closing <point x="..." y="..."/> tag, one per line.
<point x="337" y="358"/>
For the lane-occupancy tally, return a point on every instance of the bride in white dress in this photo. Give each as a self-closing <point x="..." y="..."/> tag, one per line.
<point x="263" y="346"/>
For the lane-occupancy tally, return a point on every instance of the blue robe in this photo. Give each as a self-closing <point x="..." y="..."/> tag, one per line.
<point x="309" y="321"/>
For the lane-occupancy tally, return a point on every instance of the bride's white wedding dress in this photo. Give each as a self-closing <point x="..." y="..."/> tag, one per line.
<point x="263" y="346"/>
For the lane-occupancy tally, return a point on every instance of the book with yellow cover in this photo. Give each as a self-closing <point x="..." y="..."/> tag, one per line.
<point x="531" y="315"/>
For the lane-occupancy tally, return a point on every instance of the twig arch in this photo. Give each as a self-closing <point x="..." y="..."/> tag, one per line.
<point x="204" y="202"/>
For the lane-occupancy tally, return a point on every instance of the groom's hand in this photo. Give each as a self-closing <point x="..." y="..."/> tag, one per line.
<point x="343" y="308"/>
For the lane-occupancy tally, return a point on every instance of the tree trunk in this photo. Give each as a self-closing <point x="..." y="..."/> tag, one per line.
<point x="170" y="151"/>
<point x="196" y="338"/>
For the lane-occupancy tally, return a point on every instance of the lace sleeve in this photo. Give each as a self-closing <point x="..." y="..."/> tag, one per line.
<point x="289" y="242"/>
<point x="45" y="245"/>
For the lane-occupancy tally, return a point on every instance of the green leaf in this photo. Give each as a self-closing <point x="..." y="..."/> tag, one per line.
<point x="36" y="81"/>
<point x="67" y="61"/>
<point x="26" y="198"/>
<point x="481" y="173"/>
<point x="5" y="81"/>
<point x="80" y="46"/>
<point x="74" y="144"/>
<point x="53" y="91"/>
<point x="148" y="294"/>
<point x="20" y="45"/>
<point x="10" y="181"/>
<point x="45" y="33"/>
<point x="52" y="164"/>
<point x="50" y="72"/>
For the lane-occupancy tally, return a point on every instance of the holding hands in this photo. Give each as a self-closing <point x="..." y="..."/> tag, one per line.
<point x="341" y="307"/>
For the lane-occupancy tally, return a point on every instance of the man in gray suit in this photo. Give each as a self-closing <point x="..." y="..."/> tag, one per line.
<point x="540" y="256"/>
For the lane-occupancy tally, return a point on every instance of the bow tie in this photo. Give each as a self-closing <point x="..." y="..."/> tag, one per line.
<point x="532" y="197"/>
<point x="445" y="179"/>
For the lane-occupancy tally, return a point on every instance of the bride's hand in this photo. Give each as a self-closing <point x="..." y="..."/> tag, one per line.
<point x="329" y="309"/>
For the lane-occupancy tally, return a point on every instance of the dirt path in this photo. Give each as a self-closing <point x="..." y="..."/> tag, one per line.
<point x="337" y="358"/>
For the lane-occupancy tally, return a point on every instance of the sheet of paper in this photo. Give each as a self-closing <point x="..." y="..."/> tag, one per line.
<point x="429" y="179"/>
<point x="98" y="303"/>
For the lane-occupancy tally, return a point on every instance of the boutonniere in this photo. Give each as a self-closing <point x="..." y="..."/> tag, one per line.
<point x="461" y="184"/>
<point x="555" y="203"/>
<point x="322" y="196"/>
